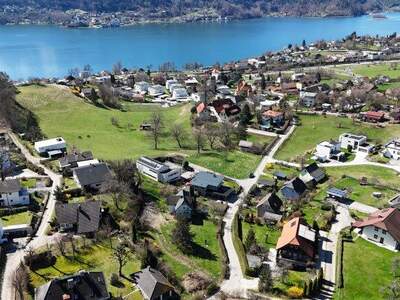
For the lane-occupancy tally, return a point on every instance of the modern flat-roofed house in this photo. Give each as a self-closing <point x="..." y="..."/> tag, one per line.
<point x="92" y="177"/>
<point x="328" y="150"/>
<point x="180" y="93"/>
<point x="157" y="170"/>
<point x="153" y="285"/>
<point x="12" y="194"/>
<point x="156" y="90"/>
<point x="83" y="285"/>
<point x="297" y="244"/>
<point x="81" y="218"/>
<point x="392" y="149"/>
<point x="71" y="161"/>
<point x="382" y="228"/>
<point x="142" y="87"/>
<point x="352" y="140"/>
<point x="294" y="189"/>
<point x="51" y="147"/>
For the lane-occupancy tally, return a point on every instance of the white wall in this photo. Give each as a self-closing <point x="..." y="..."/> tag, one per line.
<point x="370" y="233"/>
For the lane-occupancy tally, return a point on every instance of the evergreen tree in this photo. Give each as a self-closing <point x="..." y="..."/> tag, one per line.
<point x="266" y="283"/>
<point x="263" y="82"/>
<point x="182" y="236"/>
<point x="250" y="239"/>
<point x="59" y="194"/>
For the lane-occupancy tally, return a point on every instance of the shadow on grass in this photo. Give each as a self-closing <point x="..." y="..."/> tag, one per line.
<point x="202" y="252"/>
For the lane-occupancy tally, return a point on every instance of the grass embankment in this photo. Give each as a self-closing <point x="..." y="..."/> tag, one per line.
<point x="366" y="269"/>
<point x="315" y="129"/>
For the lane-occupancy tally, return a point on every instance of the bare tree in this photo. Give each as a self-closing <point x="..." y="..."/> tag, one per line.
<point x="178" y="132"/>
<point x="198" y="135"/>
<point x="121" y="255"/>
<point x="156" y="127"/>
<point x="60" y="243"/>
<point x="118" y="191"/>
<point x="212" y="134"/>
<point x="20" y="281"/>
<point x="226" y="134"/>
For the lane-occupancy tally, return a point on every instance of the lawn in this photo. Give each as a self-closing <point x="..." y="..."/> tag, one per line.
<point x="235" y="164"/>
<point x="376" y="70"/>
<point x="87" y="127"/>
<point x="259" y="139"/>
<point x="262" y="232"/>
<point x="18" y="218"/>
<point x="270" y="169"/>
<point x="28" y="183"/>
<point x="366" y="269"/>
<point x="95" y="258"/>
<point x="208" y="257"/>
<point x="386" y="86"/>
<point x="315" y="129"/>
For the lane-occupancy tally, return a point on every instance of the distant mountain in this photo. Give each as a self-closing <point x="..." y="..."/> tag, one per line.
<point x="225" y="8"/>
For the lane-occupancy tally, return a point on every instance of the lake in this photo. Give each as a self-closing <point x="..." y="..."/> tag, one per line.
<point x="50" y="51"/>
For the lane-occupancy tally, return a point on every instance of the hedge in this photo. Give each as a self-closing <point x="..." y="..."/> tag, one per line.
<point x="237" y="243"/>
<point x="225" y="259"/>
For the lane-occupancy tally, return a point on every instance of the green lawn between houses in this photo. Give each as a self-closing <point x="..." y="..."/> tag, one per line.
<point x="97" y="257"/>
<point x="266" y="236"/>
<point x="366" y="269"/>
<point x="376" y="70"/>
<point x="87" y="127"/>
<point x="16" y="219"/>
<point x="315" y="129"/>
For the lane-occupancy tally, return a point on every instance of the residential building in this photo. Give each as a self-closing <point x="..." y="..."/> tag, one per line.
<point x="81" y="218"/>
<point x="374" y="116"/>
<point x="70" y="161"/>
<point x="181" y="204"/>
<point x="142" y="87"/>
<point x="269" y="208"/>
<point x="12" y="194"/>
<point x="382" y="228"/>
<point x="351" y="140"/>
<point x="83" y="285"/>
<point x="157" y="170"/>
<point x="312" y="175"/>
<point x="170" y="82"/>
<point x="337" y="194"/>
<point x="92" y="177"/>
<point x="156" y="90"/>
<point x="180" y="93"/>
<point x="392" y="149"/>
<point x="153" y="285"/>
<point x="51" y="147"/>
<point x="307" y="99"/>
<point x="211" y="185"/>
<point x="294" y="190"/>
<point x="297" y="244"/>
<point x="328" y="150"/>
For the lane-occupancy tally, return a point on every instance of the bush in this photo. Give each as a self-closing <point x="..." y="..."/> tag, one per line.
<point x="326" y="206"/>
<point x="295" y="292"/>
<point x="212" y="289"/>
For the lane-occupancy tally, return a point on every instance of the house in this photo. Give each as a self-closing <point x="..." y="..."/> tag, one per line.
<point x="272" y="117"/>
<point x="374" y="116"/>
<point x="142" y="87"/>
<point x="307" y="99"/>
<point x="392" y="149"/>
<point x="51" y="147"/>
<point x="206" y="182"/>
<point x="157" y="170"/>
<point x="382" y="228"/>
<point x="180" y="93"/>
<point x="337" y="194"/>
<point x="294" y="189"/>
<point x="181" y="204"/>
<point x="351" y="141"/>
<point x="12" y="194"/>
<point x="71" y="161"/>
<point x="156" y="90"/>
<point x="269" y="208"/>
<point x="153" y="285"/>
<point x="83" y="285"/>
<point x="297" y="244"/>
<point x="312" y="174"/>
<point x="279" y="175"/>
<point x="328" y="150"/>
<point x="170" y="82"/>
<point x="92" y="177"/>
<point x="81" y="218"/>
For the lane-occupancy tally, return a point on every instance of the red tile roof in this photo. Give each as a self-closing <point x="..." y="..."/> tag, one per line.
<point x="375" y="115"/>
<point x="272" y="113"/>
<point x="387" y="219"/>
<point x="200" y="108"/>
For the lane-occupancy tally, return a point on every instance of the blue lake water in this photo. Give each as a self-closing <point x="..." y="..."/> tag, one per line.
<point x="27" y="51"/>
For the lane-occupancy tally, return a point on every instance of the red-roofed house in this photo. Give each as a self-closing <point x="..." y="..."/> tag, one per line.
<point x="382" y="227"/>
<point x="297" y="244"/>
<point x="201" y="107"/>
<point x="374" y="116"/>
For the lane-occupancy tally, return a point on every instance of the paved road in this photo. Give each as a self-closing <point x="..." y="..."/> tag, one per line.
<point x="41" y="239"/>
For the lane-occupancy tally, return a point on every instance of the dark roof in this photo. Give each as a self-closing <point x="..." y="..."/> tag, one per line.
<point x="315" y="171"/>
<point x="272" y="202"/>
<point x="265" y="182"/>
<point x="336" y="192"/>
<point x="92" y="174"/>
<point x="297" y="185"/>
<point x="206" y="179"/>
<point x="74" y="158"/>
<point x="83" y="285"/>
<point x="9" y="186"/>
<point x="152" y="283"/>
<point x="86" y="215"/>
<point x="280" y="175"/>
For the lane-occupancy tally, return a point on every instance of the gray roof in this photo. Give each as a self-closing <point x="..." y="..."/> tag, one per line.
<point x="73" y="158"/>
<point x="10" y="186"/>
<point x="272" y="202"/>
<point x="86" y="215"/>
<point x="152" y="283"/>
<point x="206" y="179"/>
<point x="315" y="171"/>
<point x="337" y="192"/>
<point x="83" y="285"/>
<point x="93" y="174"/>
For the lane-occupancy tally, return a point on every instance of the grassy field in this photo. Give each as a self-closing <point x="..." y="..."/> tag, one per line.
<point x="236" y="164"/>
<point x="19" y="218"/>
<point x="262" y="231"/>
<point x="386" y="86"/>
<point x="260" y="139"/>
<point x="315" y="129"/>
<point x="376" y="70"/>
<point x="60" y="113"/>
<point x="95" y="258"/>
<point x="28" y="183"/>
<point x="366" y="268"/>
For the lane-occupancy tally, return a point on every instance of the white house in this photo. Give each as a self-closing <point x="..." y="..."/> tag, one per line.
<point x="169" y="82"/>
<point x="142" y="87"/>
<point x="174" y="86"/>
<point x="157" y="170"/>
<point x="382" y="228"/>
<point x="12" y="194"/>
<point x="156" y="90"/>
<point x="392" y="150"/>
<point x="327" y="150"/>
<point x="352" y="140"/>
<point x="179" y="93"/>
<point x="308" y="98"/>
<point x="51" y="147"/>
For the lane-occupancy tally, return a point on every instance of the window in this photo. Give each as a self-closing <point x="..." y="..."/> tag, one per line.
<point x="376" y="229"/>
<point x="383" y="231"/>
<point x="375" y="237"/>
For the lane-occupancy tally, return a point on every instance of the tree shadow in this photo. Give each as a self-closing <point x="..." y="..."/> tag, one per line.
<point x="202" y="252"/>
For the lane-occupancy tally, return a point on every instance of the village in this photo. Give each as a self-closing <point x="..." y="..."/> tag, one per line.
<point x="277" y="177"/>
